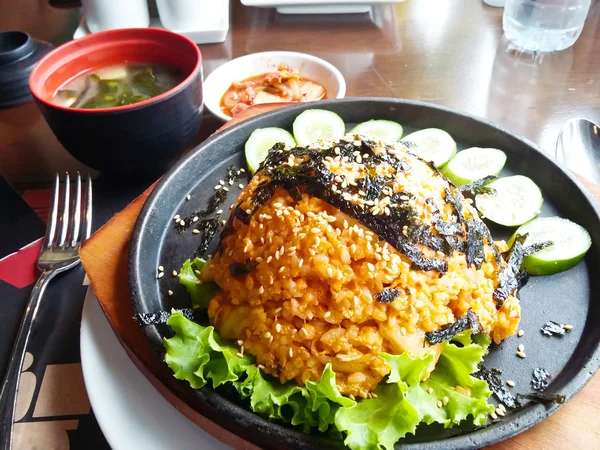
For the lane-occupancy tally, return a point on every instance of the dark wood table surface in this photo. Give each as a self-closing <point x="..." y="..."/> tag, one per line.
<point x="448" y="52"/>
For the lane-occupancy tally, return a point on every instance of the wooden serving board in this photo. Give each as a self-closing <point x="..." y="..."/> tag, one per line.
<point x="105" y="259"/>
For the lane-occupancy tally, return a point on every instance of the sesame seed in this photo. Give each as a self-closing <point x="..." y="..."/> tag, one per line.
<point x="271" y="280"/>
<point x="239" y="354"/>
<point x="511" y="383"/>
<point x="430" y="390"/>
<point x="373" y="394"/>
<point x="493" y="416"/>
<point x="241" y="186"/>
<point x="500" y="412"/>
<point x="240" y="342"/>
<point x="260" y="366"/>
<point x="223" y="222"/>
<point x="267" y="335"/>
<point x="225" y="188"/>
<point x="242" y="170"/>
<point x="269" y="259"/>
<point x="182" y="222"/>
<point x="271" y="339"/>
<point x="329" y="272"/>
<point x="174" y="273"/>
<point x="281" y="269"/>
<point x="291" y="352"/>
<point x="161" y="268"/>
<point x="445" y="400"/>
<point x="327" y="314"/>
<point x="177" y="217"/>
<point x="521" y="355"/>
<point x="188" y="197"/>
<point x="371" y="267"/>
<point x="230" y="182"/>
<point x="439" y="404"/>
<point x="352" y="397"/>
<point x="567" y="327"/>
<point x="170" y="292"/>
<point x="221" y="182"/>
<point x="195" y="231"/>
<point x="520" y="333"/>
<point x="160" y="274"/>
<point x="217" y="187"/>
<point x="261" y="290"/>
<point x="278" y="328"/>
<point x="315" y="230"/>
<point x="521" y="348"/>
<point x="502" y="407"/>
<point x="304" y="331"/>
<point x="300" y="263"/>
<point x="220" y="211"/>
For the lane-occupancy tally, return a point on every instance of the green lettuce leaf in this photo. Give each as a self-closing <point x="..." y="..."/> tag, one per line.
<point x="450" y="382"/>
<point x="198" y="355"/>
<point x="378" y="422"/>
<point x="201" y="294"/>
<point x="450" y="395"/>
<point x="325" y="398"/>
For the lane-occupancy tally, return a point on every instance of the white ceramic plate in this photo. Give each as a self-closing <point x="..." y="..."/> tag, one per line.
<point x="309" y="66"/>
<point x="318" y="7"/>
<point x="131" y="413"/>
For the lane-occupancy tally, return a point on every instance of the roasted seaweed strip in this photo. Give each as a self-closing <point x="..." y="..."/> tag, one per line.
<point x="468" y="321"/>
<point x="497" y="386"/>
<point x="400" y="226"/>
<point x="540" y="379"/>
<point x="478" y="186"/>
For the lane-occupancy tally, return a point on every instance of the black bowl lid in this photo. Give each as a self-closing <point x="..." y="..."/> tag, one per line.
<point x="19" y="53"/>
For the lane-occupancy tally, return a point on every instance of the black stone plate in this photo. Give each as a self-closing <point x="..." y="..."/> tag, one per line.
<point x="570" y="297"/>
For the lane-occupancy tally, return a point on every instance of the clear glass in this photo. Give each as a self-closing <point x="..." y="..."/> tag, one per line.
<point x="544" y="25"/>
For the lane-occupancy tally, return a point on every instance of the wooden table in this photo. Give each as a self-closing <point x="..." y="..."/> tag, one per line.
<point x="449" y="52"/>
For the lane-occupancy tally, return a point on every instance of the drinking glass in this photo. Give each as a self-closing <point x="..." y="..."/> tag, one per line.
<point x="544" y="25"/>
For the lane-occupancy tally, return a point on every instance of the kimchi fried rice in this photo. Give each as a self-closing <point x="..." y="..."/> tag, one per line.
<point x="337" y="253"/>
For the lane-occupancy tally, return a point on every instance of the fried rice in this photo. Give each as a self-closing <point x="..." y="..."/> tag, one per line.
<point x="301" y="277"/>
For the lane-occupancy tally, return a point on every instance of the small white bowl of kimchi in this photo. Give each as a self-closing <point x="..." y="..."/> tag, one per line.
<point x="270" y="77"/>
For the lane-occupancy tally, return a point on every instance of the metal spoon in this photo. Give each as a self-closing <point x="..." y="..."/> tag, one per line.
<point x="578" y="148"/>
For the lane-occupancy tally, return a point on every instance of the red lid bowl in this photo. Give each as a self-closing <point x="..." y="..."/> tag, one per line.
<point x="106" y="48"/>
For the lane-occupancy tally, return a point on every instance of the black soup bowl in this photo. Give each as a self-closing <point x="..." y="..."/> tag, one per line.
<point x="140" y="140"/>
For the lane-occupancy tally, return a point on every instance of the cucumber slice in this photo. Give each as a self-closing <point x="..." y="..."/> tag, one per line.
<point x="385" y="130"/>
<point x="432" y="144"/>
<point x="261" y="141"/>
<point x="314" y="124"/>
<point x="474" y="164"/>
<point x="517" y="200"/>
<point x="570" y="244"/>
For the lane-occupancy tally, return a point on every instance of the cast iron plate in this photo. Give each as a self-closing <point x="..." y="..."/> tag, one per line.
<point x="569" y="297"/>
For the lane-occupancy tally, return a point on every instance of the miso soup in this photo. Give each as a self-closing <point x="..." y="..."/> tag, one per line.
<point x="118" y="85"/>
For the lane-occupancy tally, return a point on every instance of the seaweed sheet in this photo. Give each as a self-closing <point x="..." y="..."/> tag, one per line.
<point x="387" y="295"/>
<point x="497" y="386"/>
<point x="468" y="321"/>
<point x="237" y="269"/>
<point x="540" y="379"/>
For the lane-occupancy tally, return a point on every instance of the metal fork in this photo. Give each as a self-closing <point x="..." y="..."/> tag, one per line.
<point x="65" y="232"/>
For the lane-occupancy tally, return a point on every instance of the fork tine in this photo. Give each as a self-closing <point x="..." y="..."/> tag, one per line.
<point x="53" y="218"/>
<point x="76" y="225"/>
<point x="65" y="215"/>
<point x="87" y="213"/>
